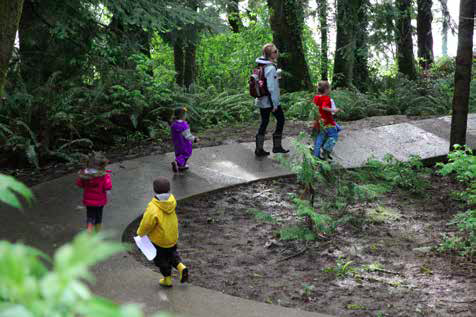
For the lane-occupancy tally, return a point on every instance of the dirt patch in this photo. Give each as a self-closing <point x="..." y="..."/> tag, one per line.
<point x="384" y="267"/>
<point x="244" y="132"/>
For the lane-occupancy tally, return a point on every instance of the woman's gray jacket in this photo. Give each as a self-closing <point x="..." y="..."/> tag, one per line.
<point x="273" y="85"/>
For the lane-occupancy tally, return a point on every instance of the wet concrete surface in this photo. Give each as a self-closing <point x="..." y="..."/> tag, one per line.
<point x="58" y="214"/>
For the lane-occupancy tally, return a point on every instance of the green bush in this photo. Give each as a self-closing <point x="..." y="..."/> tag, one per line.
<point x="462" y="164"/>
<point x="406" y="175"/>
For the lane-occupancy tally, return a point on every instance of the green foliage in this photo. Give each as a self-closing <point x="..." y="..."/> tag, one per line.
<point x="261" y="215"/>
<point x="462" y="164"/>
<point x="405" y="175"/>
<point x="342" y="269"/>
<point x="299" y="105"/>
<point x="226" y="60"/>
<point x="10" y="188"/>
<point x="296" y="233"/>
<point x="397" y="96"/>
<point x="308" y="169"/>
<point x="320" y="222"/>
<point x="28" y="288"/>
<point x="33" y="285"/>
<point x="208" y="107"/>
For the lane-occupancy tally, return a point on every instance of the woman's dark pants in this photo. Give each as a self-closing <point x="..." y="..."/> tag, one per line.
<point x="265" y="114"/>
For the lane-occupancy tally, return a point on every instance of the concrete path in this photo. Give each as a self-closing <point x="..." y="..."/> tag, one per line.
<point x="58" y="214"/>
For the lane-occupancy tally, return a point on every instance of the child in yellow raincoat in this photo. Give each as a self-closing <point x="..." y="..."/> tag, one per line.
<point x="160" y="223"/>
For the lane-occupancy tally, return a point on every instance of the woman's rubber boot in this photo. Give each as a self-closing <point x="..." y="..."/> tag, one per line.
<point x="90" y="227"/>
<point x="183" y="271"/>
<point x="97" y="227"/>
<point x="259" y="146"/>
<point x="277" y="147"/>
<point x="166" y="281"/>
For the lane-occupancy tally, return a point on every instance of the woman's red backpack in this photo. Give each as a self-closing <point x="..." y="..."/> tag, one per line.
<point x="257" y="84"/>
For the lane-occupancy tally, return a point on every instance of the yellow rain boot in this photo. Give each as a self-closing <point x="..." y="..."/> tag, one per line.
<point x="97" y="227"/>
<point x="166" y="281"/>
<point x="183" y="273"/>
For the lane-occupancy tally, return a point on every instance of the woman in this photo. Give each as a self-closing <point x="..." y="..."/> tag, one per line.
<point x="268" y="104"/>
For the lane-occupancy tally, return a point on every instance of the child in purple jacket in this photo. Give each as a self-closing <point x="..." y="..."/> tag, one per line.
<point x="182" y="139"/>
<point x="95" y="180"/>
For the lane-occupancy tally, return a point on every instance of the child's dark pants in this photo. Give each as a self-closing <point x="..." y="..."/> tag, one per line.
<point x="94" y="214"/>
<point x="166" y="259"/>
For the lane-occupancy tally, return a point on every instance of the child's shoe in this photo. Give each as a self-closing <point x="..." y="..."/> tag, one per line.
<point x="183" y="271"/>
<point x="174" y="167"/>
<point x="183" y="168"/>
<point x="326" y="155"/>
<point x="166" y="281"/>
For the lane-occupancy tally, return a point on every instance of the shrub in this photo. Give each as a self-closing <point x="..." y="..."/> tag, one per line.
<point x="462" y="164"/>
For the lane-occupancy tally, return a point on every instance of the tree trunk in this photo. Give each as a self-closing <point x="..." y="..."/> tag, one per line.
<point x="345" y="43"/>
<point x="179" y="61"/>
<point x="406" y="62"/>
<point x="10" y="13"/>
<point x="190" y="65"/>
<point x="233" y="13"/>
<point x="464" y="59"/>
<point x="287" y="20"/>
<point x="361" y="65"/>
<point x="425" y="36"/>
<point x="445" y="26"/>
<point x="322" y="6"/>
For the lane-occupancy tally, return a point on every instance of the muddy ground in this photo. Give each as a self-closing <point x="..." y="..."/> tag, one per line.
<point x="230" y="241"/>
<point x="244" y="132"/>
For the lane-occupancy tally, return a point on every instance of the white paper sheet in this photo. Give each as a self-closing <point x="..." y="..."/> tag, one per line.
<point x="147" y="248"/>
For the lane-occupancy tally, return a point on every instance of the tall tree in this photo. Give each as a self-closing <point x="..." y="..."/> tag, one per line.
<point x="464" y="60"/>
<point x="233" y="14"/>
<point x="287" y="21"/>
<point x="322" y="7"/>
<point x="345" y="43"/>
<point x="445" y="26"/>
<point x="10" y="13"/>
<point x="190" y="50"/>
<point x="425" y="36"/>
<point x="361" y="65"/>
<point x="179" y="59"/>
<point x="405" y="58"/>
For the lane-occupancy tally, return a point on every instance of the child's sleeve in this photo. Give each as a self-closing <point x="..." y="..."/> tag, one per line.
<point x="79" y="182"/>
<point x="188" y="135"/>
<point x="147" y="223"/>
<point x="107" y="182"/>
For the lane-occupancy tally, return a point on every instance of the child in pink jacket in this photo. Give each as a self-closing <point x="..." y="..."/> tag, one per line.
<point x="95" y="181"/>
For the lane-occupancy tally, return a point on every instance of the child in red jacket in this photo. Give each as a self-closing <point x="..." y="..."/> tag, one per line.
<point x="328" y="129"/>
<point x="95" y="181"/>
